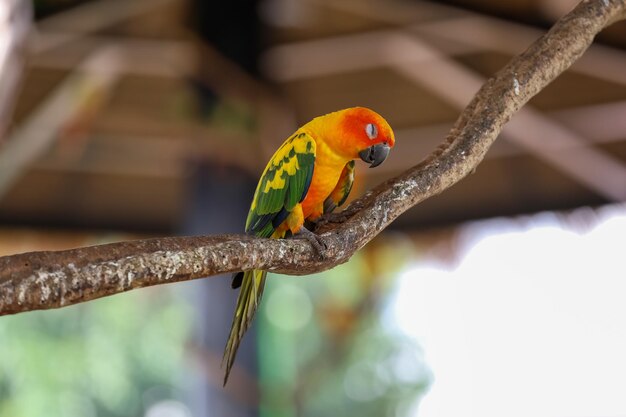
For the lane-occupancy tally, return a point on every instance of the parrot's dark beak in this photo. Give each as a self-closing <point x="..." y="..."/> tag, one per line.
<point x="375" y="155"/>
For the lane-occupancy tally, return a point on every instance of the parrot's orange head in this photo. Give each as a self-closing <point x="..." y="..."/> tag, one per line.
<point x="366" y="135"/>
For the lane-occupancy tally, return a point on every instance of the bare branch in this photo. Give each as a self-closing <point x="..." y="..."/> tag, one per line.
<point x="42" y="280"/>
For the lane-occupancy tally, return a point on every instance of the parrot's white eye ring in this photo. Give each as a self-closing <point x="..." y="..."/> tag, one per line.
<point x="371" y="130"/>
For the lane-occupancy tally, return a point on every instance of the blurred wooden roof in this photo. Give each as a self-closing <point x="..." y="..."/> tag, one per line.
<point x="106" y="127"/>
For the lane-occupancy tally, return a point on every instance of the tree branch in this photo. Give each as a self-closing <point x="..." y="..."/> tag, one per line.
<point x="43" y="280"/>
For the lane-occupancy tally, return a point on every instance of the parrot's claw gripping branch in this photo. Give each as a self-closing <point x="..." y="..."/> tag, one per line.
<point x="43" y="280"/>
<point x="331" y="218"/>
<point x="314" y="239"/>
<point x="337" y="218"/>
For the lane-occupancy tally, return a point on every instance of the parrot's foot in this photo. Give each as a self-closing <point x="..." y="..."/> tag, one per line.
<point x="315" y="240"/>
<point x="331" y="218"/>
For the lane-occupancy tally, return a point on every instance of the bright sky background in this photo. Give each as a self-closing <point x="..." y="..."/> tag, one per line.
<point x="532" y="322"/>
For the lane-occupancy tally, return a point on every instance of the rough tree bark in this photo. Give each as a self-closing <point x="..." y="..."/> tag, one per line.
<point x="43" y="280"/>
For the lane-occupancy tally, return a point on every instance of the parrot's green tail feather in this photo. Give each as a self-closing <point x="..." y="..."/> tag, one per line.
<point x="249" y="298"/>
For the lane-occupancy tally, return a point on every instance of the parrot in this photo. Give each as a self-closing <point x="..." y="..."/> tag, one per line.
<point x="310" y="175"/>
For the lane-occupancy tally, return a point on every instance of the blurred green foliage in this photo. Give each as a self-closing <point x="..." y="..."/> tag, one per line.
<point x="326" y="348"/>
<point x="105" y="358"/>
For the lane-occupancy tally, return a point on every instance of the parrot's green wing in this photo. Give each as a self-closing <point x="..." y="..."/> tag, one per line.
<point x="339" y="195"/>
<point x="284" y="184"/>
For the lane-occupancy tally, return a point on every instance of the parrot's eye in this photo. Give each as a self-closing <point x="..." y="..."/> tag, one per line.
<point x="371" y="130"/>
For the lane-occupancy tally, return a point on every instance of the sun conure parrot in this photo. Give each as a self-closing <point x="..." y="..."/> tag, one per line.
<point x="309" y="175"/>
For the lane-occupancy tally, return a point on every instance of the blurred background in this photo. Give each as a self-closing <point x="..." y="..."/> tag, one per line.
<point x="126" y="119"/>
